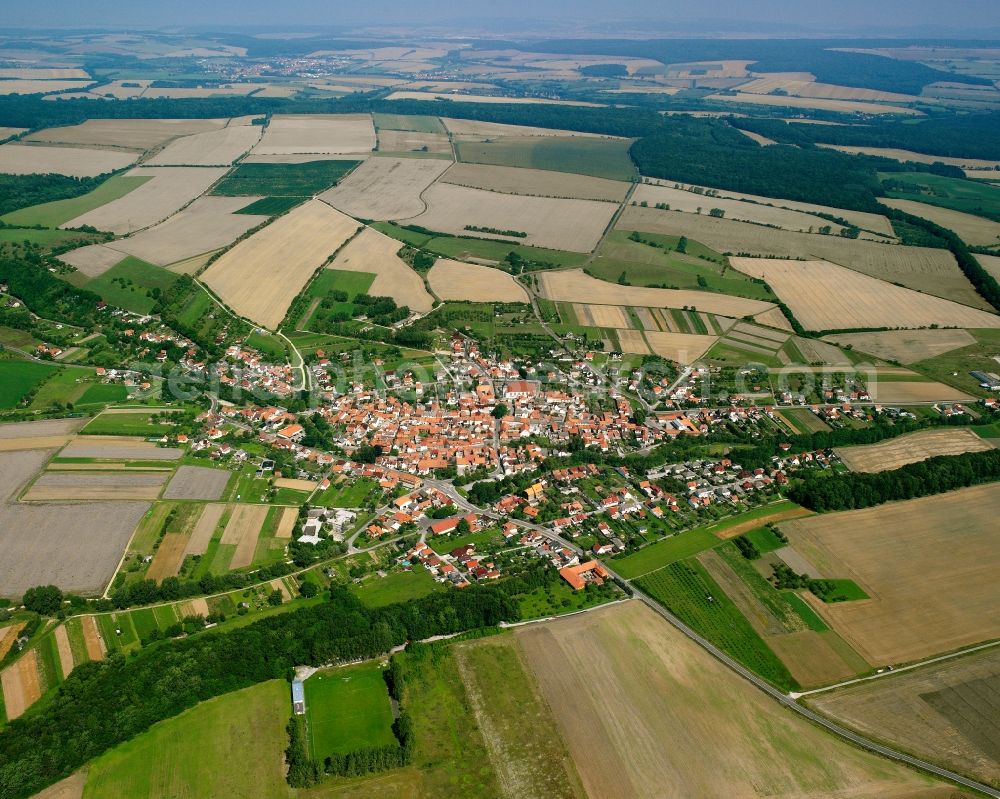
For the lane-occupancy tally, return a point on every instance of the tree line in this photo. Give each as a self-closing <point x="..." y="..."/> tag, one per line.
<point x="933" y="476"/>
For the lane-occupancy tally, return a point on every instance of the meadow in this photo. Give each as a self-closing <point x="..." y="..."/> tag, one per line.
<point x="19" y="378"/>
<point x="132" y="284"/>
<point x="599" y="158"/>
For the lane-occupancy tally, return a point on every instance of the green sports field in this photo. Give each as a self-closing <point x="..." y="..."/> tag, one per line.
<point x="347" y="709"/>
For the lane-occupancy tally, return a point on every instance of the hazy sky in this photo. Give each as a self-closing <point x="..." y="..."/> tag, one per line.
<point x="971" y="15"/>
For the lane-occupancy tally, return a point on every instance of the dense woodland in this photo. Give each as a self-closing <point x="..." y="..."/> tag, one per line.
<point x="131" y="694"/>
<point x="933" y="476"/>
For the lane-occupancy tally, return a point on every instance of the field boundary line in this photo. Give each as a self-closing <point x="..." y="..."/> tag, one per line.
<point x="887" y="673"/>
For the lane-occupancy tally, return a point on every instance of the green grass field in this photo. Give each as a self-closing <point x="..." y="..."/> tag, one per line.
<point x="347" y="709"/>
<point x="970" y="196"/>
<point x="843" y="590"/>
<point x="59" y="212"/>
<point x="19" y="378"/>
<point x="283" y="180"/>
<point x="397" y="586"/>
<point x="271" y="206"/>
<point x="228" y="746"/>
<point x="765" y="540"/>
<point x="103" y="392"/>
<point x="346" y="495"/>
<point x="601" y="158"/>
<point x="687" y="591"/>
<point x="418" y="124"/>
<point x="131" y="284"/>
<point x="125" y="424"/>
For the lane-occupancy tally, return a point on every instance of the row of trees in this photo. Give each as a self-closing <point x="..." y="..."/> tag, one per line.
<point x="104" y="703"/>
<point x="933" y="476"/>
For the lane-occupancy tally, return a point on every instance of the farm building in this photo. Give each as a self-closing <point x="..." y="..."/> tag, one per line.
<point x="579" y="576"/>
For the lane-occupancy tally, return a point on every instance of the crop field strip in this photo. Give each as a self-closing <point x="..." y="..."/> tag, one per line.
<point x="79" y="162"/>
<point x="943" y="541"/>
<point x="826" y="296"/>
<point x="242" y="531"/>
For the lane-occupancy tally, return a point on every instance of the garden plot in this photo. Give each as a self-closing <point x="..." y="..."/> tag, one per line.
<point x="168" y="558"/>
<point x="119" y="448"/>
<point x="574" y="285"/>
<point x="535" y="182"/>
<point x="59" y="486"/>
<point x="245" y="277"/>
<point x="454" y="280"/>
<point x="825" y="296"/>
<point x="928" y="565"/>
<point x="386" y="188"/>
<point x="683" y="348"/>
<point x="318" y="134"/>
<point x="204" y="529"/>
<point x="197" y="482"/>
<point x="74" y="546"/>
<point x="208" y="224"/>
<point x="137" y="134"/>
<point x="375" y="253"/>
<point x="242" y="531"/>
<point x="905" y="346"/>
<point x="21" y="685"/>
<point x="692" y="203"/>
<point x="912" y="448"/>
<point x="575" y="225"/>
<point x="931" y="271"/>
<point x="971" y="229"/>
<point x="77" y="162"/>
<point x="170" y="189"/>
<point x="214" y="148"/>
<point x="405" y="141"/>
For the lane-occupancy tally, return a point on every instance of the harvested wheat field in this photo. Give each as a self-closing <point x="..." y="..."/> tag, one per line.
<point x="535" y="182"/>
<point x="214" y="148"/>
<point x="92" y="260"/>
<point x="318" y="134"/>
<point x="406" y="141"/>
<point x="242" y="530"/>
<point x="689" y="202"/>
<point x="472" y="127"/>
<point x="825" y="296"/>
<point x="196" y="607"/>
<point x="77" y="162"/>
<point x="29" y="86"/>
<point x="21" y="685"/>
<point x="774" y="318"/>
<point x="119" y="447"/>
<point x="295" y="484"/>
<point x="64" y="650"/>
<point x="8" y="635"/>
<point x="6" y="133"/>
<point x="170" y="189"/>
<point x="991" y="263"/>
<point x="902" y="391"/>
<point x="817" y="103"/>
<point x="92" y="638"/>
<point x="48" y="434"/>
<point x="204" y="529"/>
<point x="69" y="788"/>
<point x="138" y="134"/>
<point x="877" y="223"/>
<point x="574" y="285"/>
<point x="260" y="276"/>
<point x="485" y="98"/>
<point x="454" y="280"/>
<point x="646" y="713"/>
<point x="197" y="482"/>
<point x="910" y="155"/>
<point x="44" y="73"/>
<point x="905" y="346"/>
<point x="680" y="347"/>
<point x="945" y="713"/>
<point x="601" y="315"/>
<point x="208" y="224"/>
<point x="575" y="225"/>
<point x="287" y="523"/>
<point x="375" y="253"/>
<point x="910" y="448"/>
<point x="809" y="88"/>
<point x="60" y="486"/>
<point x="386" y="188"/>
<point x="971" y="229"/>
<point x="931" y="271"/>
<point x="168" y="558"/>
<point x="632" y="341"/>
<point x="929" y="566"/>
